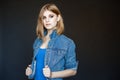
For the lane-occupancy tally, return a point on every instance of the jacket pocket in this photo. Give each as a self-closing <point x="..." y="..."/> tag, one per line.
<point x="56" y="55"/>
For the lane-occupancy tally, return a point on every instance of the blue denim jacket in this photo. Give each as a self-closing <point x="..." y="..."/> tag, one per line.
<point x="60" y="54"/>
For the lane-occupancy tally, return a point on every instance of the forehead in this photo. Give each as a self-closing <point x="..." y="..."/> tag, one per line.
<point x="47" y="12"/>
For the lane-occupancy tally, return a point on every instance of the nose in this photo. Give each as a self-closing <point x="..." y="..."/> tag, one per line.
<point x="47" y="19"/>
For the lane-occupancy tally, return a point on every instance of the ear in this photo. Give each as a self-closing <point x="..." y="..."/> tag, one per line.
<point x="59" y="17"/>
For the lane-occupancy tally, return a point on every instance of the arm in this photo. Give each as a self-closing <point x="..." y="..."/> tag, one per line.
<point x="63" y="74"/>
<point x="58" y="74"/>
<point x="70" y="66"/>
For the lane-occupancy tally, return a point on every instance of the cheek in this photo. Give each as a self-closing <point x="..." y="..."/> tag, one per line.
<point x="43" y="22"/>
<point x="54" y="21"/>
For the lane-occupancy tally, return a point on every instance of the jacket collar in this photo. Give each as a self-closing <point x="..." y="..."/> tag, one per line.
<point x="53" y="34"/>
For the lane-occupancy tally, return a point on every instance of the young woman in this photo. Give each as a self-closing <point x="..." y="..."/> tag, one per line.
<point x="54" y="53"/>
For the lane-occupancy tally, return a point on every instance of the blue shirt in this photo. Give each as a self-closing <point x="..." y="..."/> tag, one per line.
<point x="40" y="65"/>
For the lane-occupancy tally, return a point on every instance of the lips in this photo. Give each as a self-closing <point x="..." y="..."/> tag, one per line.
<point x="48" y="24"/>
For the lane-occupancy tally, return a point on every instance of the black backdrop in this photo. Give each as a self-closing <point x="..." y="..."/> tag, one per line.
<point x="92" y="24"/>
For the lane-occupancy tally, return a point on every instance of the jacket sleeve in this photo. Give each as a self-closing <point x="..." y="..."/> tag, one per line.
<point x="33" y="67"/>
<point x="35" y="43"/>
<point x="33" y="63"/>
<point x="70" y="57"/>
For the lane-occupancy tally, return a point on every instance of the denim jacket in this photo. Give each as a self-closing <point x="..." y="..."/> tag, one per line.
<point x="60" y="54"/>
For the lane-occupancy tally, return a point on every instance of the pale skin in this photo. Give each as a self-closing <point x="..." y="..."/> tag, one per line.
<point x="50" y="20"/>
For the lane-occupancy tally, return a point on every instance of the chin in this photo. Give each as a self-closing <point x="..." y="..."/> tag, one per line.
<point x="48" y="28"/>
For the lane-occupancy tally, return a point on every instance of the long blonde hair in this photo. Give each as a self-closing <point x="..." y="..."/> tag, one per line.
<point x="40" y="26"/>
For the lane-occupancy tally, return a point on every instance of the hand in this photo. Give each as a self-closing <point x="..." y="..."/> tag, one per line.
<point x="28" y="71"/>
<point x="46" y="71"/>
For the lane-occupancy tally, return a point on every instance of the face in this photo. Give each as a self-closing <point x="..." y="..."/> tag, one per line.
<point x="50" y="20"/>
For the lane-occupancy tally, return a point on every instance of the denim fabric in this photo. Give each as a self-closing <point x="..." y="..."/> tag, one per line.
<point x="60" y="53"/>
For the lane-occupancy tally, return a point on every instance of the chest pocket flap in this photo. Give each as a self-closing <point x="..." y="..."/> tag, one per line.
<point x="56" y="55"/>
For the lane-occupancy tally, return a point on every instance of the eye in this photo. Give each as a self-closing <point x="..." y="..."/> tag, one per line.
<point x="43" y="17"/>
<point x="51" y="16"/>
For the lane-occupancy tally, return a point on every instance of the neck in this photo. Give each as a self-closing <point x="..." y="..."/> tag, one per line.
<point x="49" y="32"/>
<point x="47" y="37"/>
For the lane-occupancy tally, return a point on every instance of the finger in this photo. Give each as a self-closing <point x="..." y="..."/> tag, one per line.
<point x="28" y="71"/>
<point x="44" y="69"/>
<point x="29" y="65"/>
<point x="28" y="68"/>
<point x="46" y="66"/>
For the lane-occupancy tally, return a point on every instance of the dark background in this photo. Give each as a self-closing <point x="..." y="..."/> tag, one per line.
<point x="92" y="24"/>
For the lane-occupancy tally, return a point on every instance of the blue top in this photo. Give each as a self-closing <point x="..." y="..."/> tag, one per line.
<point x="40" y="65"/>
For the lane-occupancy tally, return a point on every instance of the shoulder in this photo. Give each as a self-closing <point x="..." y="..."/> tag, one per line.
<point x="37" y="41"/>
<point x="65" y="38"/>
